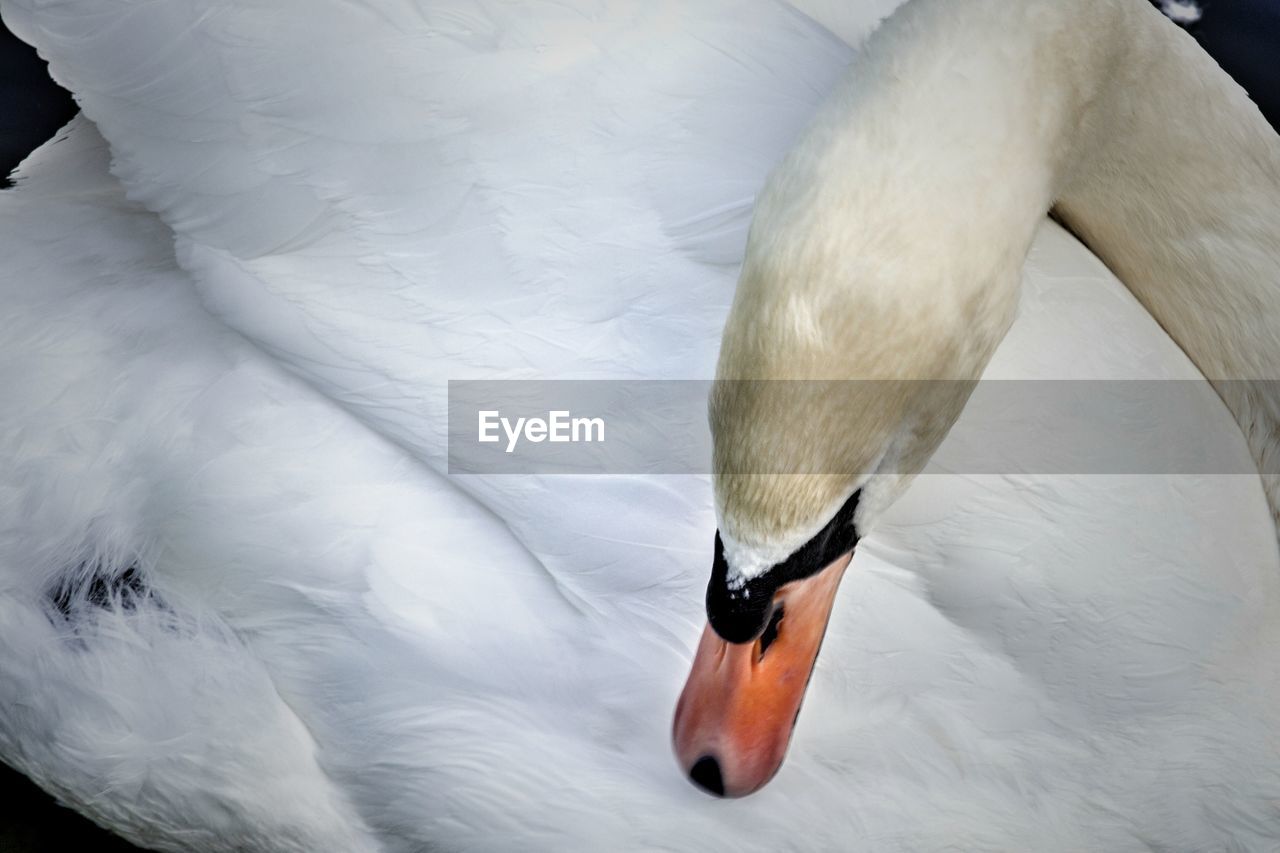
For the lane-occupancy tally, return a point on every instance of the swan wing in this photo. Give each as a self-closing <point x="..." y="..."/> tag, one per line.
<point x="387" y="197"/>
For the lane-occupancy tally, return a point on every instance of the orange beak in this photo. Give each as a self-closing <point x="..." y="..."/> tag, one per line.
<point x="735" y="717"/>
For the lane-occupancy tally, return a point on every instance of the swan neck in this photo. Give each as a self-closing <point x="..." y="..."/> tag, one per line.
<point x="1142" y="145"/>
<point x="1175" y="185"/>
<point x="889" y="243"/>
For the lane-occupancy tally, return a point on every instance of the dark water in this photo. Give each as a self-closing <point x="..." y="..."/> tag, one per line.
<point x="1243" y="35"/>
<point x="32" y="107"/>
<point x="31" y="822"/>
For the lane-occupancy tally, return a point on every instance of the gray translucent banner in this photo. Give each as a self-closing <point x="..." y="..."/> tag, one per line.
<point x="1008" y="427"/>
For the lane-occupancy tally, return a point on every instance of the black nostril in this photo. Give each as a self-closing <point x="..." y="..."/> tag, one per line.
<point x="771" y="630"/>
<point x="706" y="775"/>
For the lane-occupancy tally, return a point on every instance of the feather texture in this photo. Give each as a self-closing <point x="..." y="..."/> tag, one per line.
<point x="343" y="649"/>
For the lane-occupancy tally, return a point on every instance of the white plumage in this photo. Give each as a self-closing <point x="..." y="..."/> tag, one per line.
<point x="344" y="649"/>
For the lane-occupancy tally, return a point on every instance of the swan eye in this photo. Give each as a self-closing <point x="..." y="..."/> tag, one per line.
<point x="737" y="611"/>
<point x="770" y="632"/>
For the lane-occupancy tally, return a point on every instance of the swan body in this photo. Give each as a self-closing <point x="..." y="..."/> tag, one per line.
<point x="336" y="646"/>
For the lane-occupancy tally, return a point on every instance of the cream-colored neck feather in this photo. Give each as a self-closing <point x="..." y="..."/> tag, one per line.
<point x="888" y="244"/>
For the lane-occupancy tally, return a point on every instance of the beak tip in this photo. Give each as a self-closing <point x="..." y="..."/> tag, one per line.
<point x="735" y="716"/>
<point x="705" y="773"/>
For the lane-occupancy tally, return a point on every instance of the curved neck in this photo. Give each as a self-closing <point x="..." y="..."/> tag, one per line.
<point x="889" y="242"/>
<point x="1154" y="157"/>
<point x="1151" y="154"/>
<point x="1177" y="189"/>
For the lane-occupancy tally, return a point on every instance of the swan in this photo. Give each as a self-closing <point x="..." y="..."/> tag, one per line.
<point x="246" y="608"/>
<point x="859" y="267"/>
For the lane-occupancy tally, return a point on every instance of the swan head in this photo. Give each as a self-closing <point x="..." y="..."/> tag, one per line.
<point x="856" y="335"/>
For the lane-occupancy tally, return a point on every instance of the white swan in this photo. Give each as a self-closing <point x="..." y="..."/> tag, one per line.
<point x="887" y="246"/>
<point x="332" y="647"/>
